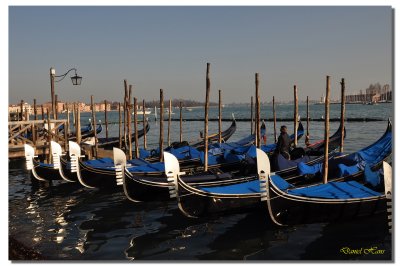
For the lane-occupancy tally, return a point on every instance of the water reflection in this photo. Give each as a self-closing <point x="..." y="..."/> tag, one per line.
<point x="369" y="231"/>
<point x="48" y="208"/>
<point x="33" y="210"/>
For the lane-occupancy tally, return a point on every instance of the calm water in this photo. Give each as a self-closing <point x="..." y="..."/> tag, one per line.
<point x="64" y="221"/>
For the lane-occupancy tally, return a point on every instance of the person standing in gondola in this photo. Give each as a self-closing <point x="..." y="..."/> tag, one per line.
<point x="283" y="144"/>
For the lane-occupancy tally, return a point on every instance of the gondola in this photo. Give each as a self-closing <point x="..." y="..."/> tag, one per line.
<point x="149" y="183"/>
<point x="311" y="154"/>
<point x="219" y="156"/>
<point x="270" y="148"/>
<point x="108" y="143"/>
<point x="237" y="195"/>
<point x="144" y="187"/>
<point x="46" y="172"/>
<point x="102" y="173"/>
<point x="333" y="201"/>
<point x="317" y="148"/>
<point x="215" y="137"/>
<point x="350" y="166"/>
<point x="87" y="132"/>
<point x="154" y="155"/>
<point x="70" y="165"/>
<point x="84" y="130"/>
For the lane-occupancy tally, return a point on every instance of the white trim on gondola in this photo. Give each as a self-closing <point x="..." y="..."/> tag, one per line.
<point x="120" y="164"/>
<point x="387" y="173"/>
<point x="75" y="154"/>
<point x="30" y="164"/>
<point x="56" y="152"/>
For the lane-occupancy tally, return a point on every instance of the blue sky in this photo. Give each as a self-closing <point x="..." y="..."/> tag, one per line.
<point x="168" y="47"/>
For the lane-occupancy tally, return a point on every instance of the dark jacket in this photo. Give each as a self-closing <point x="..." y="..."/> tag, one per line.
<point x="283" y="145"/>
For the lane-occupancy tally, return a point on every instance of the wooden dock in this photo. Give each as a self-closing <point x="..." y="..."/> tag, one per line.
<point x="35" y="133"/>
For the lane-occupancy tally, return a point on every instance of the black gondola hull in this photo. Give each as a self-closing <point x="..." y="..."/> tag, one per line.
<point x="109" y="143"/>
<point x="97" y="177"/>
<point x="87" y="134"/>
<point x="197" y="205"/>
<point x="214" y="138"/>
<point x="139" y="189"/>
<point x="288" y="210"/>
<point x="45" y="173"/>
<point x="66" y="168"/>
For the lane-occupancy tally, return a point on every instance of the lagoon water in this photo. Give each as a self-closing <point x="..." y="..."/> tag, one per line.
<point x="69" y="222"/>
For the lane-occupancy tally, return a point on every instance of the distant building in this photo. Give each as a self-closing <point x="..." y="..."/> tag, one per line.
<point x="16" y="108"/>
<point x="46" y="105"/>
<point x="101" y="107"/>
<point x="375" y="93"/>
<point x="114" y="106"/>
<point x="13" y="108"/>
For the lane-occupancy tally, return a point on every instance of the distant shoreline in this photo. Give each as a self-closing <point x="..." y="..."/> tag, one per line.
<point x="270" y="120"/>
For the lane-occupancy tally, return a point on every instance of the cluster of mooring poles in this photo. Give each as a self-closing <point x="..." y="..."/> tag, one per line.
<point x="125" y="121"/>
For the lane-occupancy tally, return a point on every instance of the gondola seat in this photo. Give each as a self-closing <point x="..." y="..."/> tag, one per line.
<point x="336" y="190"/>
<point x="346" y="170"/>
<point x="242" y="188"/>
<point x="100" y="163"/>
<point x="153" y="167"/>
<point x="304" y="169"/>
<point x="373" y="179"/>
<point x="247" y="187"/>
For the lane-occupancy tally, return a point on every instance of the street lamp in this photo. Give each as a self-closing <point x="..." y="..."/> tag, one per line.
<point x="76" y="80"/>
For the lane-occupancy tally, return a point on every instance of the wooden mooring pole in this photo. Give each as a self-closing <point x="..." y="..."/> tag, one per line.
<point x="135" y="122"/>
<point x="208" y="86"/>
<point x="180" y="121"/>
<point x="94" y="126"/>
<point x="78" y="125"/>
<point x="161" y="140"/>
<point x="255" y="115"/>
<point x="307" y="140"/>
<point x="274" y="114"/>
<point x="295" y="115"/>
<point x="74" y="114"/>
<point x="49" y="157"/>
<point x="169" y="122"/>
<point x="125" y="113"/>
<point x="34" y="110"/>
<point x="106" y="118"/>
<point x="144" y="126"/>
<point x="129" y="114"/>
<point x="342" y="114"/>
<point x="52" y="76"/>
<point x="326" y="134"/>
<point x="219" y="117"/>
<point x="119" y="126"/>
<point x="251" y="116"/>
<point x="34" y="132"/>
<point x="257" y="123"/>
<point x="56" y="106"/>
<point x="22" y="110"/>
<point x="68" y="122"/>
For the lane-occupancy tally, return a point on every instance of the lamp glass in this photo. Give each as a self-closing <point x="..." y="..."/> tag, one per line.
<point x="76" y="80"/>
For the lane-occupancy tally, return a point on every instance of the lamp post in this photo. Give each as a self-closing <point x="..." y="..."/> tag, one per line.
<point x="76" y="80"/>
